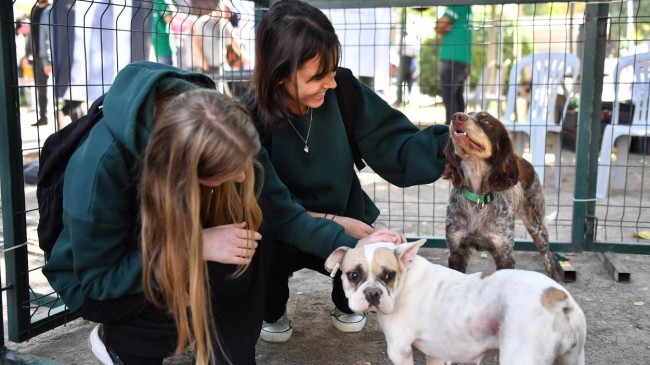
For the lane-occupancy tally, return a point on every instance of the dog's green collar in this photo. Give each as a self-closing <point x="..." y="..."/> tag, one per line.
<point x="480" y="200"/>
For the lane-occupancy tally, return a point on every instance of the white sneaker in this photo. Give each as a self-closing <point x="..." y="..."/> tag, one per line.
<point x="348" y="322"/>
<point x="278" y="331"/>
<point x="98" y="347"/>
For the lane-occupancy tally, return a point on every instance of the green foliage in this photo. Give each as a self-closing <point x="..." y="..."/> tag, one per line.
<point x="547" y="9"/>
<point x="430" y="66"/>
<point x="617" y="38"/>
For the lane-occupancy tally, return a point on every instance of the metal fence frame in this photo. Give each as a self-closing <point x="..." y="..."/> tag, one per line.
<point x="22" y="324"/>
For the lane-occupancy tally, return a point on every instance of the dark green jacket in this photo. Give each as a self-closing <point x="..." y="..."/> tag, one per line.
<point x="97" y="253"/>
<point x="324" y="180"/>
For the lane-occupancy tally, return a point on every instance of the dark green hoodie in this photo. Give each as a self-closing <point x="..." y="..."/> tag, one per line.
<point x="97" y="253"/>
<point x="324" y="180"/>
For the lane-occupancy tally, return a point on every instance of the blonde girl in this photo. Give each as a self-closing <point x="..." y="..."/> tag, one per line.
<point x="197" y="185"/>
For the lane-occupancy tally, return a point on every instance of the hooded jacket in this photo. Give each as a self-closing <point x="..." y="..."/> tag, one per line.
<point x="97" y="254"/>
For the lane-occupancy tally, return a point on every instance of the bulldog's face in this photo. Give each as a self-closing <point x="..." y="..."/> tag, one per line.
<point x="373" y="274"/>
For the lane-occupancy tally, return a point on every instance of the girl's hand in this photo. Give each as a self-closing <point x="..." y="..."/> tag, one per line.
<point x="383" y="235"/>
<point x="354" y="227"/>
<point x="230" y="244"/>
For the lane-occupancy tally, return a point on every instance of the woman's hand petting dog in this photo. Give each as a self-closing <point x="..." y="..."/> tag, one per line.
<point x="383" y="235"/>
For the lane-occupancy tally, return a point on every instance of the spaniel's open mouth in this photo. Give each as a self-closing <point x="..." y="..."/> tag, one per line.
<point x="462" y="135"/>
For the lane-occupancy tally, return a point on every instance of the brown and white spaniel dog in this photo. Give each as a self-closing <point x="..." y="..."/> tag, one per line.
<point x="492" y="186"/>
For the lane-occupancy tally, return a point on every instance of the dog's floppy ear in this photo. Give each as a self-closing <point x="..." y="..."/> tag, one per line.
<point x="452" y="169"/>
<point x="406" y="252"/>
<point x="505" y="172"/>
<point x="336" y="257"/>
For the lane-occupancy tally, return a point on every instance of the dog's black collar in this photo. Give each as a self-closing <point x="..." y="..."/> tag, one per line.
<point x="479" y="199"/>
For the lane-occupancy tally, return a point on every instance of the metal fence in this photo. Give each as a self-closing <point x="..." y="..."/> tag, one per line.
<point x="391" y="46"/>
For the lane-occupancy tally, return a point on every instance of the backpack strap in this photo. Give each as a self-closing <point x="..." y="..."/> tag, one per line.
<point x="62" y="144"/>
<point x="348" y="96"/>
<point x="266" y="139"/>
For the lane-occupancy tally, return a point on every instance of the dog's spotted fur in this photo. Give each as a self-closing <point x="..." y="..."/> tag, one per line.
<point x="481" y="157"/>
<point x="460" y="318"/>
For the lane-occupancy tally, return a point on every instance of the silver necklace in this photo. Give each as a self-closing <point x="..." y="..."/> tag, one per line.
<point x="306" y="139"/>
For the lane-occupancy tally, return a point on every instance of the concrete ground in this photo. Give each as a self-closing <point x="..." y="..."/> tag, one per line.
<point x="618" y="319"/>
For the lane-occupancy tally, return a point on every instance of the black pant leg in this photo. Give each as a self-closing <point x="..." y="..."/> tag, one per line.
<point x="338" y="294"/>
<point x="283" y="263"/>
<point x="40" y="82"/>
<point x="461" y="72"/>
<point x="452" y="83"/>
<point x="318" y="264"/>
<point x="134" y="328"/>
<point x="238" y="303"/>
<point x="237" y="312"/>
<point x="446" y="89"/>
<point x="287" y="259"/>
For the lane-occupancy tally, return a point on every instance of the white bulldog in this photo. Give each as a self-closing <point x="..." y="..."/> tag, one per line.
<point x="524" y="316"/>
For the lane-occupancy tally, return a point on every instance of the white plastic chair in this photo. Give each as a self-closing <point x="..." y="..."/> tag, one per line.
<point x="551" y="72"/>
<point x="619" y="135"/>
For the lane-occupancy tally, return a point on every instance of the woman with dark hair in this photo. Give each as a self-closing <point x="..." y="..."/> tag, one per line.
<point x="293" y="100"/>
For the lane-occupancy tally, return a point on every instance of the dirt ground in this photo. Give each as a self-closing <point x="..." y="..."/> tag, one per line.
<point x="618" y="320"/>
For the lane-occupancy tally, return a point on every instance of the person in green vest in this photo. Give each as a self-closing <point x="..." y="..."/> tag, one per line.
<point x="455" y="26"/>
<point x="163" y="12"/>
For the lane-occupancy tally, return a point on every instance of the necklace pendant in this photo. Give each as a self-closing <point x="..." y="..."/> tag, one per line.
<point x="306" y="149"/>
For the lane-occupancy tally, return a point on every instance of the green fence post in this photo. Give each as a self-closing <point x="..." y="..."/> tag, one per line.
<point x="589" y="126"/>
<point x="11" y="176"/>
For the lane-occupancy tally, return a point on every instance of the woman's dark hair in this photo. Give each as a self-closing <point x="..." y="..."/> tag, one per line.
<point x="291" y="33"/>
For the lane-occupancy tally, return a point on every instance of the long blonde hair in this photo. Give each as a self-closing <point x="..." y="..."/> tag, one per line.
<point x="199" y="134"/>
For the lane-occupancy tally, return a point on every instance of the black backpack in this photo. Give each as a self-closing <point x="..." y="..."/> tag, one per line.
<point x="348" y="97"/>
<point x="55" y="154"/>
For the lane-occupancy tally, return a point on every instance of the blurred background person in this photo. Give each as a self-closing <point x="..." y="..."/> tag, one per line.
<point x="181" y="27"/>
<point x="163" y="13"/>
<point x="24" y="65"/>
<point x="85" y="55"/>
<point x="210" y="35"/>
<point x="455" y="26"/>
<point x="237" y="56"/>
<point x="41" y="57"/>
<point x="409" y="64"/>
